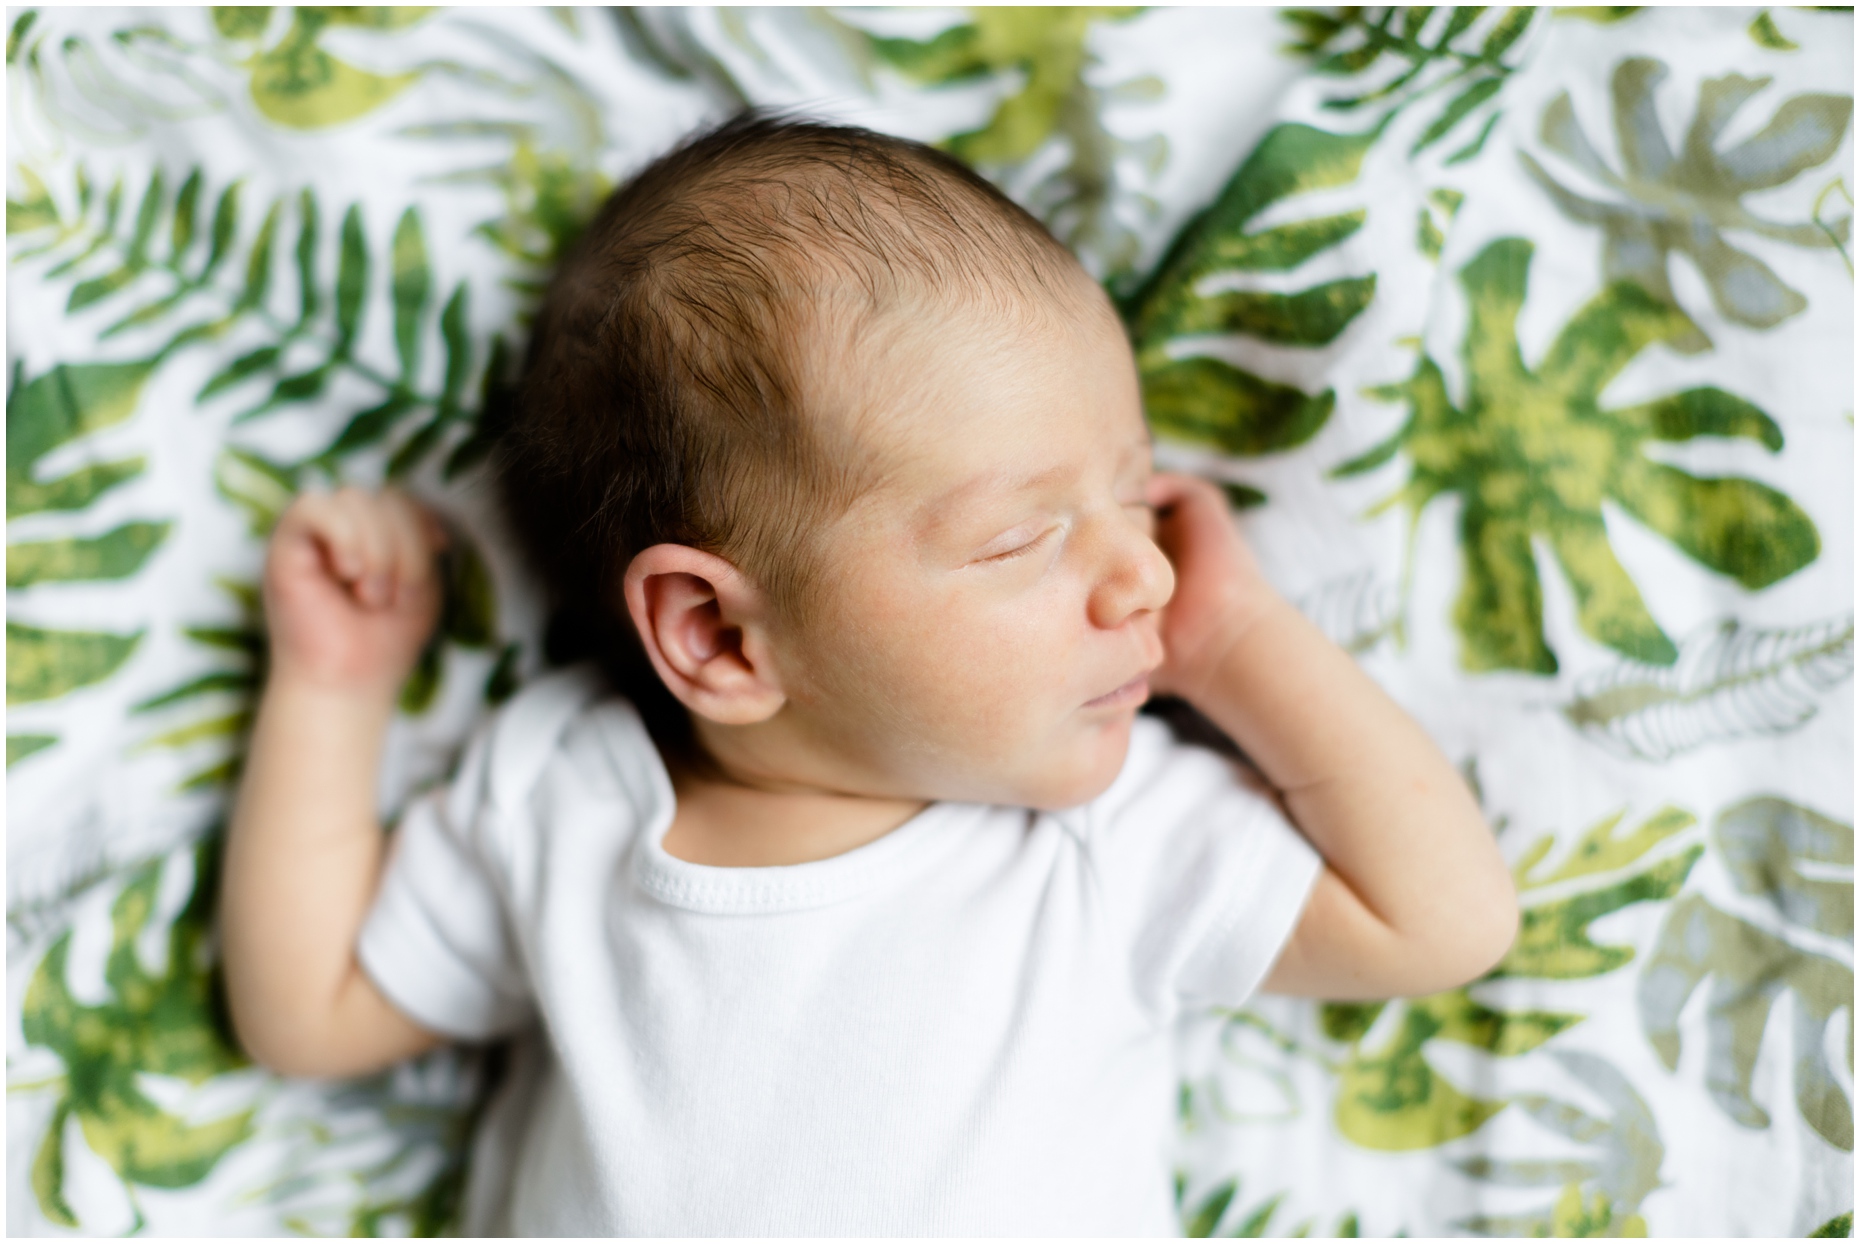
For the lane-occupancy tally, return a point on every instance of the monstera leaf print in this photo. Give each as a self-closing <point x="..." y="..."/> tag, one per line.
<point x="1391" y="1097"/>
<point x="158" y="1022"/>
<point x="1390" y="1093"/>
<point x="1197" y="398"/>
<point x="1600" y="1192"/>
<point x="1685" y="201"/>
<point x="1532" y="452"/>
<point x="1773" y="851"/>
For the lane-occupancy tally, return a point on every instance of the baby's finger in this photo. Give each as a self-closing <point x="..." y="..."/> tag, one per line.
<point x="329" y="526"/>
<point x="1188" y="510"/>
<point x="1168" y="491"/>
<point x="374" y="585"/>
<point x="408" y="531"/>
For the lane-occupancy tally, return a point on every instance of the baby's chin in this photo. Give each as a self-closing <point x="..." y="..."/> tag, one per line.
<point x="1078" y="770"/>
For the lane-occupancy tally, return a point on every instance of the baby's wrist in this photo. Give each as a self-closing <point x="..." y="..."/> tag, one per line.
<point x="362" y="702"/>
<point x="1237" y="624"/>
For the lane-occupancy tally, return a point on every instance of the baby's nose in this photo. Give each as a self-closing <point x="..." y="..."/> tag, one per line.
<point x="1139" y="580"/>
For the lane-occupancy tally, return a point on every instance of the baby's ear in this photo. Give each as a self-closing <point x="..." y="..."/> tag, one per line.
<point x="701" y="621"/>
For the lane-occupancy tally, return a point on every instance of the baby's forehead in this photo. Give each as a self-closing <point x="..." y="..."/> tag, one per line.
<point x="943" y="400"/>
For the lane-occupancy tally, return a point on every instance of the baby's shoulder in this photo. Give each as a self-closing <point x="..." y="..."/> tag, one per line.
<point x="566" y="728"/>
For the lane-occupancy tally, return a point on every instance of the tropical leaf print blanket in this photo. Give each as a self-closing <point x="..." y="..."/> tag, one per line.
<point x="1522" y="340"/>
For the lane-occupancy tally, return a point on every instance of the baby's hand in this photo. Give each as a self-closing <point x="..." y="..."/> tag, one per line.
<point x="1219" y="590"/>
<point x="351" y="592"/>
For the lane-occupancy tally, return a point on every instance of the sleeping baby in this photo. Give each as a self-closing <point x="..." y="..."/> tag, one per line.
<point x="839" y="886"/>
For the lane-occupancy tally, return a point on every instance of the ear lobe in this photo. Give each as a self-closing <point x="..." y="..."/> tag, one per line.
<point x="692" y="609"/>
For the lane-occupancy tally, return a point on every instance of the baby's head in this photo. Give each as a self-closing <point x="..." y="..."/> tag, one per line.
<point x="850" y="450"/>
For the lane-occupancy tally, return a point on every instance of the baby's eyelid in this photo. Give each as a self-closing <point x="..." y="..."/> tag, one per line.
<point x="1018" y="542"/>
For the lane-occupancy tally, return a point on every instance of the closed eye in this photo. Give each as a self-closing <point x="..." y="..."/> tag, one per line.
<point x="1024" y="549"/>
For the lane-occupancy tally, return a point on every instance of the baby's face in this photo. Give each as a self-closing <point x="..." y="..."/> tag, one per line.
<point x="988" y="611"/>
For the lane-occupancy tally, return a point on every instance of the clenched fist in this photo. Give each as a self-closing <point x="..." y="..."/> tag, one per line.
<point x="1218" y="586"/>
<point x="351" y="589"/>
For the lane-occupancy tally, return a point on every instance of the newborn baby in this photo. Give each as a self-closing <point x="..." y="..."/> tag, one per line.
<point x="842" y="889"/>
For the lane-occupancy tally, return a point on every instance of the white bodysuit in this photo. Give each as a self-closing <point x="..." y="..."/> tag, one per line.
<point x="963" y="1027"/>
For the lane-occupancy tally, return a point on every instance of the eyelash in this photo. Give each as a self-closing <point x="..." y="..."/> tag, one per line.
<point x="1024" y="549"/>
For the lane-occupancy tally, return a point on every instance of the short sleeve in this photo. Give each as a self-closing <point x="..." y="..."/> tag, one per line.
<point x="437" y="942"/>
<point x="1203" y="873"/>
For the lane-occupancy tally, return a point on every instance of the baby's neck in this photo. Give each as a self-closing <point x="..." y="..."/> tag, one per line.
<point x="727" y="821"/>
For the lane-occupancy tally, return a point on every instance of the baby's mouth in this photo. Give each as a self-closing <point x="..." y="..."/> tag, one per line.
<point x="1133" y="692"/>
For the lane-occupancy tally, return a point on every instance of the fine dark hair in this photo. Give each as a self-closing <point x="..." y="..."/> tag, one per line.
<point x="661" y="400"/>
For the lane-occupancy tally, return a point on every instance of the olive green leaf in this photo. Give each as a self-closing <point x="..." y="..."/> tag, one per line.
<point x="412" y="287"/>
<point x="324" y="329"/>
<point x="468" y="618"/>
<point x="1554" y="941"/>
<point x="1765" y="843"/>
<point x="1600" y="849"/>
<point x="20" y="746"/>
<point x="298" y="84"/>
<point x="257" y="485"/>
<point x="160" y="1021"/>
<point x="1730" y="682"/>
<point x="1435" y="217"/>
<point x="116" y="554"/>
<point x="1046" y="46"/>
<point x="1763" y="30"/>
<point x="1391" y="1095"/>
<point x="21" y="26"/>
<point x="1044" y="50"/>
<point x="44" y="664"/>
<point x="34" y="209"/>
<point x="241" y="21"/>
<point x="1749" y="968"/>
<point x="1600" y="1194"/>
<point x="1600" y="14"/>
<point x="351" y="279"/>
<point x="457" y="343"/>
<point x="220" y="698"/>
<point x="62" y="406"/>
<point x="1532" y="453"/>
<point x="1685" y="201"/>
<point x="1207" y="400"/>
<point x="408" y="1131"/>
<point x="135" y="259"/>
<point x="549" y="194"/>
<point x="1454" y="52"/>
<point x="1841" y="1226"/>
<point x="1204" y="1220"/>
<point x="1391" y="1098"/>
<point x="65" y="404"/>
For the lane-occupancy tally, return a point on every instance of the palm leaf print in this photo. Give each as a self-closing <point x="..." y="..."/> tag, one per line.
<point x="1190" y="395"/>
<point x="1729" y="682"/>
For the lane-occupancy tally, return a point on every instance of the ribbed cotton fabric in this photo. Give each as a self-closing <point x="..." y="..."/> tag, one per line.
<point x="963" y="1027"/>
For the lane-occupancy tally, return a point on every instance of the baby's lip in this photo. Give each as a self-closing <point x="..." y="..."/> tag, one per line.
<point x="1135" y="691"/>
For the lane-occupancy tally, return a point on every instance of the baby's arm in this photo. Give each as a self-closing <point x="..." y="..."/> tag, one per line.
<point x="350" y="597"/>
<point x="1415" y="896"/>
